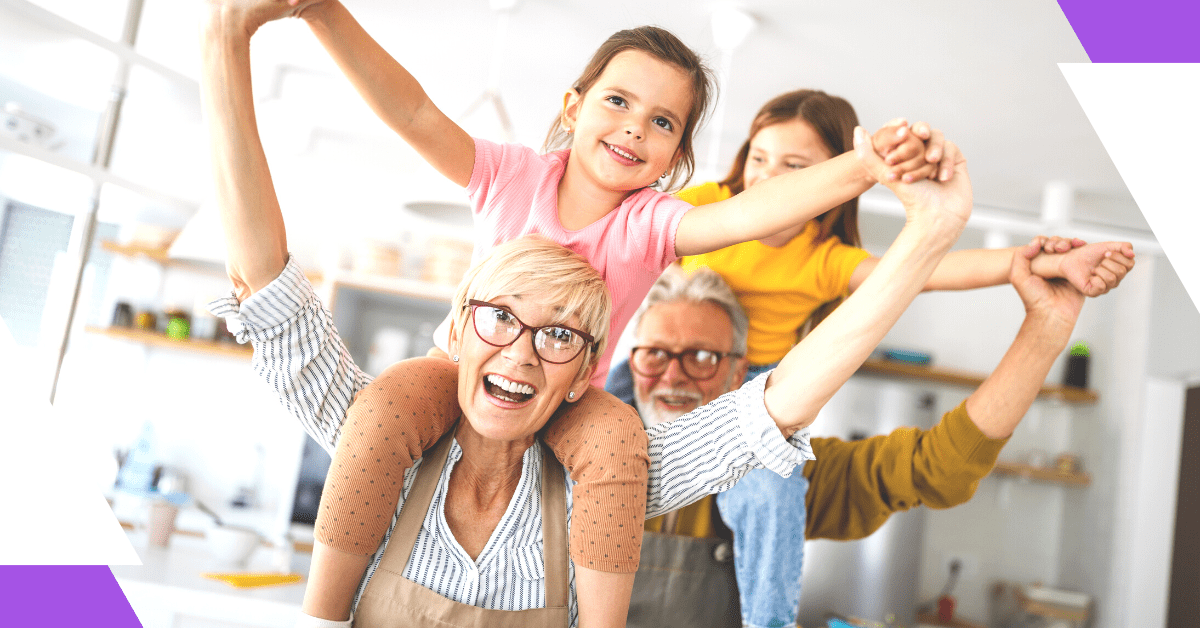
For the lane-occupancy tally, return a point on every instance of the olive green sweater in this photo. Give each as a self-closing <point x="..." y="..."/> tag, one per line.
<point x="855" y="486"/>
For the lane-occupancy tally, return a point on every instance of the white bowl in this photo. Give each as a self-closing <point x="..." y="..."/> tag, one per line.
<point x="232" y="544"/>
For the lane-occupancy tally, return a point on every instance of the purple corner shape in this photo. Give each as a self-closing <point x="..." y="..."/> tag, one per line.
<point x="63" y="597"/>
<point x="1149" y="31"/>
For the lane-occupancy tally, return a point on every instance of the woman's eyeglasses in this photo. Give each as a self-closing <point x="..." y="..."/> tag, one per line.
<point x="556" y="344"/>
<point x="698" y="364"/>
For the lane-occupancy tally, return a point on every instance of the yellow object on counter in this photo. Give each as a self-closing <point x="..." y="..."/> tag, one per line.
<point x="251" y="580"/>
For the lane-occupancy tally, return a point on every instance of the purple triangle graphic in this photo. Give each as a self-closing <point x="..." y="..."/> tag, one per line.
<point x="62" y="597"/>
<point x="1150" y="31"/>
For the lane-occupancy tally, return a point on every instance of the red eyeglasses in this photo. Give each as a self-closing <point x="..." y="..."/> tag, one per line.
<point x="556" y="344"/>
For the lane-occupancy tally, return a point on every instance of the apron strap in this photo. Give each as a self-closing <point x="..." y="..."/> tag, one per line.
<point x="554" y="519"/>
<point x="554" y="529"/>
<point x="416" y="506"/>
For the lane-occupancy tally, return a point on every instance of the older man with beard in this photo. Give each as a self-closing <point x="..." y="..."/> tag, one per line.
<point x="690" y="339"/>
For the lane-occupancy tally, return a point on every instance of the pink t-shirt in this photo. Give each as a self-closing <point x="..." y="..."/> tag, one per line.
<point x="514" y="192"/>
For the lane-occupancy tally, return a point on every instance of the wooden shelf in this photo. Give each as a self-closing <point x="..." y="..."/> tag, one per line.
<point x="965" y="379"/>
<point x="932" y="620"/>
<point x="1042" y="474"/>
<point x="159" y="255"/>
<point x="156" y="339"/>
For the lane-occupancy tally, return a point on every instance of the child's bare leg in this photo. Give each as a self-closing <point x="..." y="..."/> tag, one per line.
<point x="391" y="423"/>
<point x="601" y="441"/>
<point x="603" y="597"/>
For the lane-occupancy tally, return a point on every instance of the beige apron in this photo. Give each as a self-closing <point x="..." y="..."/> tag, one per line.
<point x="684" y="582"/>
<point x="391" y="601"/>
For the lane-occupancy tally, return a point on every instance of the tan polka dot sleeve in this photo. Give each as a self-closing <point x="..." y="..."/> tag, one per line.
<point x="399" y="415"/>
<point x="599" y="439"/>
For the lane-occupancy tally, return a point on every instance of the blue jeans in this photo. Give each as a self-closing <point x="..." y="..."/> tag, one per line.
<point x="767" y="515"/>
<point x="620" y="381"/>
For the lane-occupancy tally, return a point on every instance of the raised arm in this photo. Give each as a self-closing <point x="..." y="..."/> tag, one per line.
<point x="1093" y="269"/>
<point x="819" y="365"/>
<point x="1051" y="309"/>
<point x="391" y="92"/>
<point x="789" y="200"/>
<point x="245" y="195"/>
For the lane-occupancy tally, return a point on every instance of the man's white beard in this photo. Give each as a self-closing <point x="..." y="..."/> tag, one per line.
<point x="653" y="415"/>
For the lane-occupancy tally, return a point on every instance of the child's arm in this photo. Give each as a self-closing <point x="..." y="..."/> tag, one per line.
<point x="391" y="92"/>
<point x="1093" y="269"/>
<point x="794" y="198"/>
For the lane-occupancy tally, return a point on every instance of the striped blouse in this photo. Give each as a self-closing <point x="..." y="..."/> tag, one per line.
<point x="298" y="352"/>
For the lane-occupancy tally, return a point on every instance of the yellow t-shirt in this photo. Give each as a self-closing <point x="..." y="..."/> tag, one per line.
<point x="778" y="287"/>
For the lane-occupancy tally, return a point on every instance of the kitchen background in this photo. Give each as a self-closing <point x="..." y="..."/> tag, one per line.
<point x="361" y="206"/>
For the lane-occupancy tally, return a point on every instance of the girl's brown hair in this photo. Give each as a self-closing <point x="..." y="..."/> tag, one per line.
<point x="666" y="47"/>
<point x="834" y="120"/>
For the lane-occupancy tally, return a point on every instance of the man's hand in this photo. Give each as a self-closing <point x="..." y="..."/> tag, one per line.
<point x="1057" y="301"/>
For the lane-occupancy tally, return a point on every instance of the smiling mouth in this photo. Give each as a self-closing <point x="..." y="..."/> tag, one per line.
<point x="677" y="402"/>
<point x="620" y="152"/>
<point x="508" y="390"/>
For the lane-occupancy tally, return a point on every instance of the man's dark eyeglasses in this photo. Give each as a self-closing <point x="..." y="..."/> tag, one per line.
<point x="698" y="364"/>
<point x="556" y="344"/>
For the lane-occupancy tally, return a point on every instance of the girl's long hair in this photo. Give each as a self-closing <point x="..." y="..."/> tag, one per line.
<point x="834" y="120"/>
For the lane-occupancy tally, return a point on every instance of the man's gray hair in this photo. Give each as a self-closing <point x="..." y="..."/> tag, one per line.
<point x="699" y="286"/>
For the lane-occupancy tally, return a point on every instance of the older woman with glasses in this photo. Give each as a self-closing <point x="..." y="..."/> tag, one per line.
<point x="480" y="534"/>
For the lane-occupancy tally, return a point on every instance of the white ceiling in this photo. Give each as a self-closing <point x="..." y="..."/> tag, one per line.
<point x="984" y="72"/>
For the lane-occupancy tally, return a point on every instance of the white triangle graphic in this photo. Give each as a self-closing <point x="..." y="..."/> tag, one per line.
<point x="54" y="512"/>
<point x="1145" y="115"/>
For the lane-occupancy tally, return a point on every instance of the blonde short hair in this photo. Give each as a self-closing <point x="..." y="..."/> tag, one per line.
<point x="557" y="275"/>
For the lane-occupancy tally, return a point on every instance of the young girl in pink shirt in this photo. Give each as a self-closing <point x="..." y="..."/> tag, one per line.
<point x="628" y="123"/>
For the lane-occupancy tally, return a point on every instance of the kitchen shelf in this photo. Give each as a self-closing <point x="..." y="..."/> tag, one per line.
<point x="1042" y="474"/>
<point x="156" y="339"/>
<point x="159" y="255"/>
<point x="932" y="620"/>
<point x="970" y="380"/>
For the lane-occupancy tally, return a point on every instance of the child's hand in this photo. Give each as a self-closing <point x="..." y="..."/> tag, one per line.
<point x="903" y="152"/>
<point x="944" y="201"/>
<point x="914" y="153"/>
<point x="1056" y="244"/>
<point x="1094" y="269"/>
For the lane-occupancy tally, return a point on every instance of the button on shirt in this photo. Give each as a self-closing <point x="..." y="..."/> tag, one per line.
<point x="299" y="354"/>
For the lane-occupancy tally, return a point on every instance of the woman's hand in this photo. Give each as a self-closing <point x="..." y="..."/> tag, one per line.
<point x="946" y="204"/>
<point x="246" y="16"/>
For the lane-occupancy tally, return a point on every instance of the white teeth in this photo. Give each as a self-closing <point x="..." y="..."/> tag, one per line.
<point x="510" y="386"/>
<point x="622" y="153"/>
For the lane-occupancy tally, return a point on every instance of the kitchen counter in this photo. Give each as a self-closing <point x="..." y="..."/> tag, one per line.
<point x="169" y="591"/>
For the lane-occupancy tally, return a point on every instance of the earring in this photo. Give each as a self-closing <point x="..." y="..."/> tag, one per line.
<point x="665" y="174"/>
<point x="454" y="358"/>
<point x="571" y="395"/>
